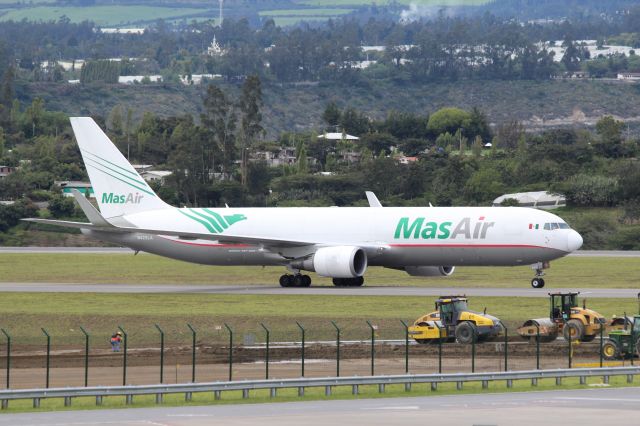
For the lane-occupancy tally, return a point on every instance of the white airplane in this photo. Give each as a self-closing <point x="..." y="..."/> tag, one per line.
<point x="336" y="242"/>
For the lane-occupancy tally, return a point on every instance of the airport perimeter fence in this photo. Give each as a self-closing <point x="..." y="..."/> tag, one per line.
<point x="265" y="354"/>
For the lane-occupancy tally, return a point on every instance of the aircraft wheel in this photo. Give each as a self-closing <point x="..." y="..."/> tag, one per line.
<point x="358" y="281"/>
<point x="339" y="282"/>
<point x="298" y="280"/>
<point x="286" y="280"/>
<point x="537" y="283"/>
<point x="306" y="281"/>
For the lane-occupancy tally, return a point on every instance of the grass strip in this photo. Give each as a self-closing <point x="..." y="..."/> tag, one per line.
<point x="586" y="272"/>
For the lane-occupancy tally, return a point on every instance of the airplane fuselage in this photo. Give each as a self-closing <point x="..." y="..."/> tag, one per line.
<point x="430" y="236"/>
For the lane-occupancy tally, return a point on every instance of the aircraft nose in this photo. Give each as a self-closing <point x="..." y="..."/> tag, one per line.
<point x="574" y="241"/>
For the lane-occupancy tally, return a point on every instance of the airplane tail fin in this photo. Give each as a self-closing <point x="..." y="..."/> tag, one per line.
<point x="118" y="187"/>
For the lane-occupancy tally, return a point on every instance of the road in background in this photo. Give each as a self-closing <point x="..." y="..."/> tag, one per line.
<point x="565" y="408"/>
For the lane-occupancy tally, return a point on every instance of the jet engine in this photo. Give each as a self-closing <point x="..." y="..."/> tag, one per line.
<point x="429" y="271"/>
<point x="336" y="262"/>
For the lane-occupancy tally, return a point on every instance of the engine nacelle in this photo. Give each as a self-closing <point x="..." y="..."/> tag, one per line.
<point x="340" y="262"/>
<point x="429" y="271"/>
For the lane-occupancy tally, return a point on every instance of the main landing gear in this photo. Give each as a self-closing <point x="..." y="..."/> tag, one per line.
<point x="297" y="280"/>
<point x="348" y="282"/>
<point x="538" y="281"/>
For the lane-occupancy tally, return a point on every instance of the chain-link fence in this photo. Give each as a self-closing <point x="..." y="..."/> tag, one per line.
<point x="222" y="353"/>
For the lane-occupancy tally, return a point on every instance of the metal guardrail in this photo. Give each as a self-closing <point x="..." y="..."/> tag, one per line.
<point x="328" y="382"/>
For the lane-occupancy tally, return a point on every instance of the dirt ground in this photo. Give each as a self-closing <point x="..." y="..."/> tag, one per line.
<point x="212" y="362"/>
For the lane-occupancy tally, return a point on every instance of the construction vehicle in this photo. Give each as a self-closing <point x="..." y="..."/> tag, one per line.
<point x="566" y="317"/>
<point x="623" y="343"/>
<point x="452" y="320"/>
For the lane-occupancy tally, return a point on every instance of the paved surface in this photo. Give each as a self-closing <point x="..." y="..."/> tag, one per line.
<point x="566" y="408"/>
<point x="580" y="253"/>
<point x="525" y="291"/>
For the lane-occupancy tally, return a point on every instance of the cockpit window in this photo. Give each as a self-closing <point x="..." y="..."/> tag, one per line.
<point x="552" y="226"/>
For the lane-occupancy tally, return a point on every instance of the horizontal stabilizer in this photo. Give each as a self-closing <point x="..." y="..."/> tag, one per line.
<point x="92" y="214"/>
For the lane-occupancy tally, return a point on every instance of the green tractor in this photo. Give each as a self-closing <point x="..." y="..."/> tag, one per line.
<point x="623" y="343"/>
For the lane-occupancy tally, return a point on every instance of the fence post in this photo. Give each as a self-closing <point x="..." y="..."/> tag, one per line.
<point x="632" y="345"/>
<point x="406" y="347"/>
<point x="439" y="349"/>
<point x="570" y="348"/>
<point x="230" y="350"/>
<point x="302" y="346"/>
<point x="266" y="373"/>
<point x="506" y="347"/>
<point x="86" y="356"/>
<point x="337" y="349"/>
<point x="537" y="346"/>
<point x="124" y="356"/>
<point x="8" y="354"/>
<point x="161" y="352"/>
<point x="193" y="353"/>
<point x="373" y="351"/>
<point x="48" y="355"/>
<point x="473" y="352"/>
<point x="601" y="341"/>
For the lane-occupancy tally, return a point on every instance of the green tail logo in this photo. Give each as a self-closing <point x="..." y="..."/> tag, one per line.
<point x="213" y="221"/>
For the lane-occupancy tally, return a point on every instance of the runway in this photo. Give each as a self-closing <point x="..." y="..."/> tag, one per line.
<point x="525" y="291"/>
<point x="567" y="408"/>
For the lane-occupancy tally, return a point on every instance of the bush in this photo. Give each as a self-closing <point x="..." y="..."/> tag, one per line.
<point x="592" y="190"/>
<point x="61" y="206"/>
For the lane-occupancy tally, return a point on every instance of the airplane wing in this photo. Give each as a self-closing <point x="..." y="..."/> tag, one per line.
<point x="223" y="238"/>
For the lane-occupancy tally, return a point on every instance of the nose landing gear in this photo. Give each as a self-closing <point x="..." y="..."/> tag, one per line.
<point x="538" y="281"/>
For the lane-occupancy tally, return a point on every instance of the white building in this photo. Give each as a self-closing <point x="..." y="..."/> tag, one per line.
<point x="198" y="78"/>
<point x="131" y="79"/>
<point x="338" y="137"/>
<point x="214" y="49"/>
<point x="122" y="30"/>
<point x="156" y="175"/>
<point x="635" y="76"/>
<point x="538" y="200"/>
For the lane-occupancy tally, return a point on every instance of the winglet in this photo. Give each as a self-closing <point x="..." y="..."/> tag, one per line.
<point x="373" y="200"/>
<point x="92" y="214"/>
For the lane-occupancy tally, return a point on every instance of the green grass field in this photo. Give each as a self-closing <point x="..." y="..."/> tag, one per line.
<point x="311" y="394"/>
<point x="62" y="313"/>
<point x="127" y="268"/>
<point x="102" y="15"/>
<point x="304" y="12"/>
<point x="435" y="3"/>
<point x="23" y="314"/>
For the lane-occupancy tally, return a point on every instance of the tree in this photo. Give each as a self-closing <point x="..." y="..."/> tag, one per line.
<point x="476" y="148"/>
<point x="610" y="132"/>
<point x="251" y="117"/>
<point x="61" y="206"/>
<point x="34" y="114"/>
<point x="447" y="120"/>
<point x="2" y="143"/>
<point x="220" y="119"/>
<point x="115" y="117"/>
<point x="331" y="114"/>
